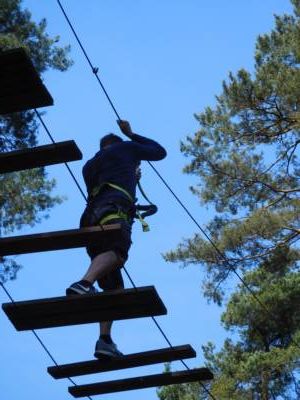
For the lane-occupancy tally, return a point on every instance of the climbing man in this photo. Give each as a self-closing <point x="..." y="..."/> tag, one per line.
<point x="111" y="177"/>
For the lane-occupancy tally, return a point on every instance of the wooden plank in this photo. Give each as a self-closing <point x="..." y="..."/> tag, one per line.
<point x="142" y="382"/>
<point x="127" y="361"/>
<point x="21" y="86"/>
<point x="84" y="309"/>
<point x="59" y="240"/>
<point x="40" y="156"/>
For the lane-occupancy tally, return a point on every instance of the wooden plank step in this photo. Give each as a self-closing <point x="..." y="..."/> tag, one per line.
<point x="83" y="309"/>
<point x="59" y="240"/>
<point x="142" y="382"/>
<point x="40" y="156"/>
<point x="21" y="87"/>
<point x="127" y="361"/>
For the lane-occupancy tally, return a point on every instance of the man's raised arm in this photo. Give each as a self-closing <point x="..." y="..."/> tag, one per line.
<point x="147" y="149"/>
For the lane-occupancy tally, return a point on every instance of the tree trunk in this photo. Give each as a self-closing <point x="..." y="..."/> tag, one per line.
<point x="264" y="386"/>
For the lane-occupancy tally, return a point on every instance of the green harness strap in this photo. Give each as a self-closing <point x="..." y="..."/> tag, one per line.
<point x="145" y="225"/>
<point x="119" y="214"/>
<point x="116" y="215"/>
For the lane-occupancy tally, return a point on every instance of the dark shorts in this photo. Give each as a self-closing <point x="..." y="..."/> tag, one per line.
<point x="121" y="245"/>
<point x="114" y="279"/>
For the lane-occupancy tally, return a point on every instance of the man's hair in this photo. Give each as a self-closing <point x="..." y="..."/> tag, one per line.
<point x="109" y="139"/>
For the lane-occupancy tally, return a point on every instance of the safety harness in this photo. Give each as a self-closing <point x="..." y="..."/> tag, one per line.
<point x="119" y="214"/>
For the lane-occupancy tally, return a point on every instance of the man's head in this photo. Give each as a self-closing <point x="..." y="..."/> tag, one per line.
<point x="109" y="139"/>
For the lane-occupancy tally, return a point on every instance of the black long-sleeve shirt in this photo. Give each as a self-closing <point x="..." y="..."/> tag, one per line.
<point x="117" y="164"/>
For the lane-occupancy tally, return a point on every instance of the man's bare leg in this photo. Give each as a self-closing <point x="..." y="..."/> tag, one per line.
<point x="102" y="265"/>
<point x="105" y="326"/>
<point x="105" y="334"/>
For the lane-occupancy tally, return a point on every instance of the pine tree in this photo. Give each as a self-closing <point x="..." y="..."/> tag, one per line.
<point x="25" y="196"/>
<point x="245" y="156"/>
<point x="263" y="361"/>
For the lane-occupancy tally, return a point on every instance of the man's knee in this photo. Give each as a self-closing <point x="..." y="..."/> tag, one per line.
<point x="112" y="281"/>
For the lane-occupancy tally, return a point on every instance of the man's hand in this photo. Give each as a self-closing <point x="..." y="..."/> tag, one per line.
<point x="125" y="127"/>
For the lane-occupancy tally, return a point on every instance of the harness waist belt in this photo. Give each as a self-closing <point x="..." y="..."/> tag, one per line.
<point x="119" y="214"/>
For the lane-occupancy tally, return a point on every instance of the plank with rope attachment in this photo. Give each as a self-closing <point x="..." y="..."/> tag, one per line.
<point x="142" y="382"/>
<point x="21" y="87"/>
<point x="127" y="361"/>
<point x="83" y="309"/>
<point x="58" y="240"/>
<point x="39" y="156"/>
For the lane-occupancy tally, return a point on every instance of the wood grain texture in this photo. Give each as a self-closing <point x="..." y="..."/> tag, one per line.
<point x="83" y="309"/>
<point x="142" y="382"/>
<point x="127" y="361"/>
<point x="40" y="156"/>
<point x="59" y="240"/>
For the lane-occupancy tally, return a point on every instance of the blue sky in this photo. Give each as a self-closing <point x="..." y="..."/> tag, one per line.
<point x="161" y="62"/>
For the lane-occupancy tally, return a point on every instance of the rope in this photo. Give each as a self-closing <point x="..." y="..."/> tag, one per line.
<point x="93" y="68"/>
<point x="143" y="193"/>
<point x="168" y="341"/>
<point x="66" y="164"/>
<point x="218" y="251"/>
<point x="38" y="338"/>
<point x="129" y="277"/>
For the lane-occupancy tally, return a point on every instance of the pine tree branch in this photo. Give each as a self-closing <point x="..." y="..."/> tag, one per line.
<point x="251" y="181"/>
<point x="297" y="231"/>
<point x="276" y="201"/>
